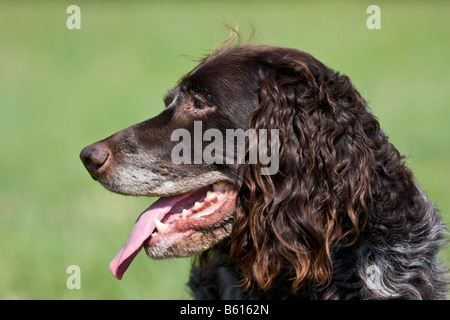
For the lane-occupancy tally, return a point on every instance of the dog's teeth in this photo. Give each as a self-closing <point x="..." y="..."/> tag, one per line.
<point x="210" y="196"/>
<point x="219" y="185"/>
<point x="184" y="213"/>
<point x="161" y="227"/>
<point x="197" y="205"/>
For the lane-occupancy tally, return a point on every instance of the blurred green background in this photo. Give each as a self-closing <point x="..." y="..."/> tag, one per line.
<point x="62" y="89"/>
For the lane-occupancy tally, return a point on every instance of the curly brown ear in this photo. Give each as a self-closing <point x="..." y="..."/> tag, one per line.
<point x="287" y="223"/>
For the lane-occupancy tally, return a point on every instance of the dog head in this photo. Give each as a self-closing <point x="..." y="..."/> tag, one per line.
<point x="262" y="143"/>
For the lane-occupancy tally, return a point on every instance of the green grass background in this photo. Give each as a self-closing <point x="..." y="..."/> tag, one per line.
<point x="61" y="90"/>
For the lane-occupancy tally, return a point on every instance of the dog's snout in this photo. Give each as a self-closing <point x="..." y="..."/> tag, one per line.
<point x="94" y="158"/>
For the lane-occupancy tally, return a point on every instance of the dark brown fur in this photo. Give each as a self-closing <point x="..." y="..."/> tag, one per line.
<point x="342" y="218"/>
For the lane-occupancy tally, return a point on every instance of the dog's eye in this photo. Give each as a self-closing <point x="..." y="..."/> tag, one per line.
<point x="200" y="105"/>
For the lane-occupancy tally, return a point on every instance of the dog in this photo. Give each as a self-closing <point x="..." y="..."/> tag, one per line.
<point x="339" y="217"/>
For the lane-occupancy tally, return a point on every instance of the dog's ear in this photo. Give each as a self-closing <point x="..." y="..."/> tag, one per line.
<point x="287" y="222"/>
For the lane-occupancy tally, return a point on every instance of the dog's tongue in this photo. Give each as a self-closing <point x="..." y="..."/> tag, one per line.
<point x="142" y="230"/>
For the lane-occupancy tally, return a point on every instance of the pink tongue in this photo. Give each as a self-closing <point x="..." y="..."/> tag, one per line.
<point x="142" y="230"/>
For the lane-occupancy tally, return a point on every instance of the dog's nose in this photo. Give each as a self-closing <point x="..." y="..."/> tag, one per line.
<point x="94" y="158"/>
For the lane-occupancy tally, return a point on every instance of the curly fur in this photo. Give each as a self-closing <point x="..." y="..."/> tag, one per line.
<point x="343" y="218"/>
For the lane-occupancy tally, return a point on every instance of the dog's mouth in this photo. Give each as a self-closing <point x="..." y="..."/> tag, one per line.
<point x="194" y="210"/>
